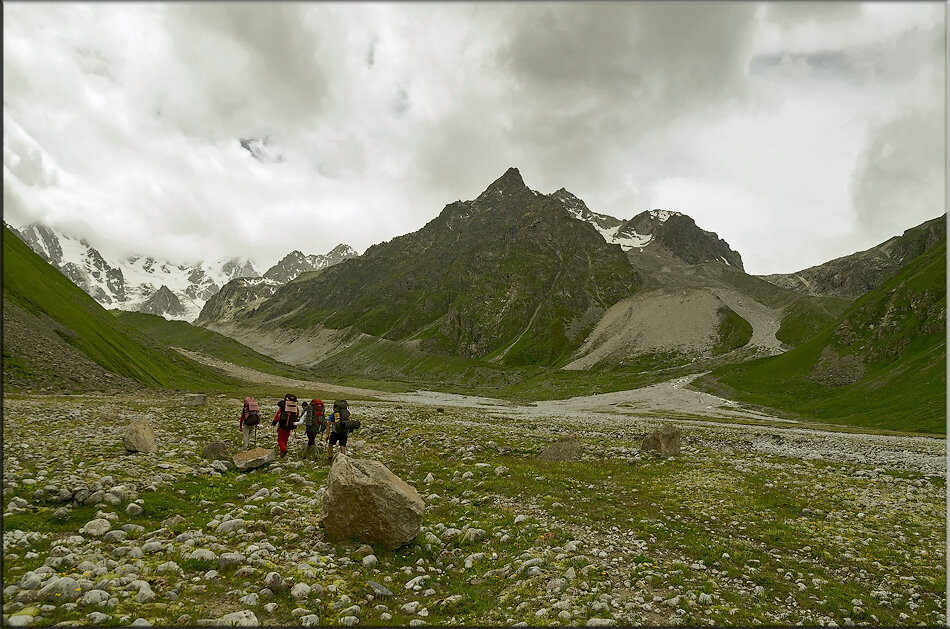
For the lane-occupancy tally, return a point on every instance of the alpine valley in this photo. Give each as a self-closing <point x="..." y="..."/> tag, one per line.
<point x="606" y="422"/>
<point x="525" y="294"/>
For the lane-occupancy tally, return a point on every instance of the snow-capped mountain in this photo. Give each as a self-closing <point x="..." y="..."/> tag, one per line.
<point x="139" y="283"/>
<point x="674" y="232"/>
<point x="295" y="263"/>
<point x="146" y="284"/>
<point x="614" y="230"/>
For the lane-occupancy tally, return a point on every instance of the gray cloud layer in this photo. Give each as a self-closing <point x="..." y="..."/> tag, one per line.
<point x="125" y="121"/>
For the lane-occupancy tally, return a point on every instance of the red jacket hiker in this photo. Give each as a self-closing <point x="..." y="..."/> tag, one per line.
<point x="284" y="424"/>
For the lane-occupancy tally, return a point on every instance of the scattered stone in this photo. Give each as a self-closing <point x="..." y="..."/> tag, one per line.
<point x="565" y="449"/>
<point x="96" y="528"/>
<point x="60" y="589"/>
<point x="217" y="450"/>
<point x="228" y="560"/>
<point x="139" y="437"/>
<point x="275" y="582"/>
<point x="172" y="521"/>
<point x="251" y="459"/>
<point x="243" y="618"/>
<point x="379" y="590"/>
<point x="133" y="509"/>
<point x="300" y="591"/>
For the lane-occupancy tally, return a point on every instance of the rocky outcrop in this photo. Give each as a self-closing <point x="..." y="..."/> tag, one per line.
<point x="163" y="302"/>
<point x="250" y="459"/>
<point x="366" y="501"/>
<point x="664" y="442"/>
<point x="140" y="437"/>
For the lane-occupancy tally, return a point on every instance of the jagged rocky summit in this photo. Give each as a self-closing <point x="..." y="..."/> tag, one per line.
<point x="159" y="287"/>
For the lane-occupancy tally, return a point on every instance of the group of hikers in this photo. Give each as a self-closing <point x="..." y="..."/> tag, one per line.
<point x="334" y="427"/>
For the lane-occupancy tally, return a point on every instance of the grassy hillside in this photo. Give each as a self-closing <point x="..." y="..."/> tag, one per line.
<point x="32" y="286"/>
<point x="195" y="338"/>
<point x="809" y="316"/>
<point x="881" y="364"/>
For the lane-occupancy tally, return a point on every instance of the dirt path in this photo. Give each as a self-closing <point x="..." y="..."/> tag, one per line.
<point x="252" y="375"/>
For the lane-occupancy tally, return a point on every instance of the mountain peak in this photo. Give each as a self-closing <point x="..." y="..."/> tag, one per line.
<point x="510" y="182"/>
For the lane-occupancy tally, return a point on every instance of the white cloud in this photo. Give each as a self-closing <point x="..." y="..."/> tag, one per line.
<point x="757" y="120"/>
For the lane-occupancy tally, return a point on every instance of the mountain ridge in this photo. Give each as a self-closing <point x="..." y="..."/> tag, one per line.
<point x="136" y="282"/>
<point x="857" y="273"/>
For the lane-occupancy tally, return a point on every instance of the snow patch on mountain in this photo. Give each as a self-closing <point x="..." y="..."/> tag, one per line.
<point x="147" y="284"/>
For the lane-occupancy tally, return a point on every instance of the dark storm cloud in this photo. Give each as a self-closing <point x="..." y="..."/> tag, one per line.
<point x="585" y="77"/>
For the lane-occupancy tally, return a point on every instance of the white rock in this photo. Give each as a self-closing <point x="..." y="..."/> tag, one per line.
<point x="243" y="618"/>
<point x="300" y="590"/>
<point x="97" y="527"/>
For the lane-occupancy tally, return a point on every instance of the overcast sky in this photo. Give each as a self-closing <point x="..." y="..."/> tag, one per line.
<point x="797" y="132"/>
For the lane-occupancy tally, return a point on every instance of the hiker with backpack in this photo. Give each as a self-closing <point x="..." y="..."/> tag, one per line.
<point x="286" y="420"/>
<point x="313" y="421"/>
<point x="339" y="426"/>
<point x="250" y="418"/>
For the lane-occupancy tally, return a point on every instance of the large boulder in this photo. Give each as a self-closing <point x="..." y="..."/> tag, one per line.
<point x="665" y="441"/>
<point x="217" y="450"/>
<point x="364" y="500"/>
<point x="139" y="437"/>
<point x="195" y="399"/>
<point x="249" y="459"/>
<point x="565" y="449"/>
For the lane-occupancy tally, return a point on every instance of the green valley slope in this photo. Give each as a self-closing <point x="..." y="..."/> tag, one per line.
<point x="57" y="337"/>
<point x="198" y="339"/>
<point x="881" y="364"/>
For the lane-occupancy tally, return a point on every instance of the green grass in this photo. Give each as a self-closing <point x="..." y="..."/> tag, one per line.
<point x="809" y="316"/>
<point x="903" y="386"/>
<point x="734" y="331"/>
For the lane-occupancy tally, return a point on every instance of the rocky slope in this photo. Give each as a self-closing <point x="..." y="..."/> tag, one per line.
<point x="57" y="337"/>
<point x="881" y="363"/>
<point x="525" y="297"/>
<point x="163" y="302"/>
<point x="447" y="289"/>
<point x="237" y="299"/>
<point x="855" y="274"/>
